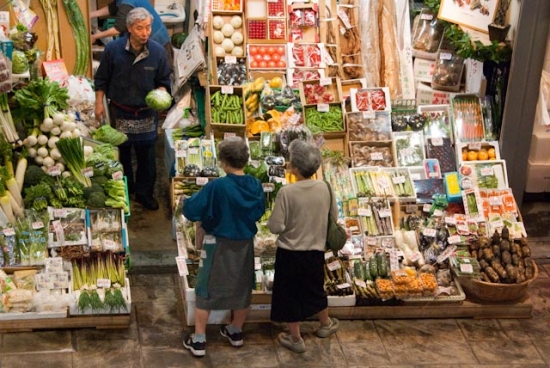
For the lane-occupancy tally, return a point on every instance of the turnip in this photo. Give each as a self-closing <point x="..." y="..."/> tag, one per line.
<point x="52" y="141"/>
<point x="76" y="133"/>
<point x="58" y="118"/>
<point x="55" y="154"/>
<point x="60" y="166"/>
<point x="32" y="152"/>
<point x="55" y="130"/>
<point x="71" y="116"/>
<point x="38" y="159"/>
<point x="65" y="174"/>
<point x="88" y="150"/>
<point x="48" y="123"/>
<point x="42" y="152"/>
<point x="42" y="139"/>
<point x="66" y="134"/>
<point x="48" y="161"/>
<point x="44" y="128"/>
<point x="65" y="126"/>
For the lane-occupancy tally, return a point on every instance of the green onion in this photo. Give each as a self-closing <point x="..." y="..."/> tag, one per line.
<point x="72" y="151"/>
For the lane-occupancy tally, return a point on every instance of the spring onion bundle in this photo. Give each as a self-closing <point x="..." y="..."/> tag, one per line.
<point x="72" y="151"/>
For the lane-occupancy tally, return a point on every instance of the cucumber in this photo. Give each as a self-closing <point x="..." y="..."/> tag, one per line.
<point x="358" y="270"/>
<point x="366" y="272"/>
<point x="381" y="264"/>
<point x="373" y="267"/>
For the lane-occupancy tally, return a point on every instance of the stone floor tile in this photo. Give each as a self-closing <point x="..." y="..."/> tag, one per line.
<point x="149" y="314"/>
<point x="437" y="366"/>
<point x="108" y="354"/>
<point x="543" y="347"/>
<point x="371" y="353"/>
<point x="357" y="331"/>
<point x="481" y="329"/>
<point x="517" y="329"/>
<point x="42" y="360"/>
<point x="249" y="355"/>
<point x="253" y="333"/>
<point x="319" y="353"/>
<point x="85" y="334"/>
<point x="152" y="280"/>
<point x="418" y="330"/>
<point x="161" y="336"/>
<point x="539" y="293"/>
<point x="147" y="294"/>
<point x="166" y="358"/>
<point x="503" y="366"/>
<point x="37" y="341"/>
<point x="435" y="351"/>
<point x="506" y="352"/>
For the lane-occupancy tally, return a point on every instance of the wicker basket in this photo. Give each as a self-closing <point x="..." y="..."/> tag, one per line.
<point x="491" y="292"/>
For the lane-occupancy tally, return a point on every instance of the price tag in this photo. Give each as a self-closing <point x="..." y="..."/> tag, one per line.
<point x="497" y="223"/>
<point x="446" y="254"/>
<point x="343" y="30"/>
<point x="193" y="151"/>
<point x="37" y="225"/>
<point x="54" y="170"/>
<point x="333" y="266"/>
<point x="371" y="241"/>
<point x="9" y="231"/>
<point x="182" y="250"/>
<point x="230" y="59"/>
<point x="103" y="283"/>
<point x="227" y="90"/>
<point x="344" y="17"/>
<point x="268" y="187"/>
<point x="328" y="255"/>
<point x="364" y="212"/>
<point x="325" y="81"/>
<point x="450" y="220"/>
<point x="427" y="207"/>
<point x="227" y="135"/>
<point x="88" y="172"/>
<point x="415" y="256"/>
<point x="360" y="283"/>
<point x="426" y="16"/>
<point x="437" y="141"/>
<point x="429" y="232"/>
<point x="383" y="182"/>
<point x="466" y="268"/>
<point x="495" y="201"/>
<point x="109" y="245"/>
<point x="445" y="56"/>
<point x="385" y="212"/>
<point x="475" y="146"/>
<point x="353" y="228"/>
<point x="487" y="171"/>
<point x="438" y="213"/>
<point x="60" y="213"/>
<point x="416" y="176"/>
<point x="406" y="152"/>
<point x="463" y="229"/>
<point x="323" y="107"/>
<point x="118" y="175"/>
<point x="57" y="226"/>
<point x="294" y="119"/>
<point x="182" y="266"/>
<point x="181" y="153"/>
<point x="394" y="260"/>
<point x="369" y="114"/>
<point x="345" y="285"/>
<point x="201" y="181"/>
<point x="376" y="156"/>
<point x="454" y="239"/>
<point x="398" y="179"/>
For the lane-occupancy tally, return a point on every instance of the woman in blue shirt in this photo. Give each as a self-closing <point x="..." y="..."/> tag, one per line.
<point x="227" y="209"/>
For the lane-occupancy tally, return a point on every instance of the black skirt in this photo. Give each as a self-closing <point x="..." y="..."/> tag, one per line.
<point x="298" y="291"/>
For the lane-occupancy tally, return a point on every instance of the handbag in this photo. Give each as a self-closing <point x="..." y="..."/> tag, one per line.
<point x="336" y="234"/>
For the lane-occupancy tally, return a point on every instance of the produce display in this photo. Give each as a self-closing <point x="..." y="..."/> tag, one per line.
<point x="365" y="99"/>
<point x="324" y="121"/>
<point x="227" y="35"/>
<point x="364" y="154"/>
<point x="267" y="57"/>
<point x="227" y="108"/>
<point x="367" y="129"/>
<point x="448" y="71"/>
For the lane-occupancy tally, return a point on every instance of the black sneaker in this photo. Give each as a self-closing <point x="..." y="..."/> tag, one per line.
<point x="236" y="339"/>
<point x="197" y="348"/>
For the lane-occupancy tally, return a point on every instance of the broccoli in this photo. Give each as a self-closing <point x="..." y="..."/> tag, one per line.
<point x="94" y="188"/>
<point x="33" y="176"/>
<point x="96" y="200"/>
<point x="100" y="180"/>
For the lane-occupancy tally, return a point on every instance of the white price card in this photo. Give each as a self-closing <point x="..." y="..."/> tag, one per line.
<point x="10" y="231"/>
<point x="450" y="220"/>
<point x="88" y="172"/>
<point x="383" y="182"/>
<point x="201" y="181"/>
<point x="37" y="225"/>
<point x="57" y="226"/>
<point x="427" y="207"/>
<point x="182" y="266"/>
<point x="345" y="285"/>
<point x="230" y="59"/>
<point x="334" y="265"/>
<point x="495" y="201"/>
<point x="446" y="254"/>
<point x="475" y="146"/>
<point x="429" y="232"/>
<point x="376" y="156"/>
<point x="268" y="187"/>
<point x="497" y="224"/>
<point x="364" y="212"/>
<point x="415" y="256"/>
<point x="438" y="213"/>
<point x="398" y="179"/>
<point x="426" y="16"/>
<point x="487" y="171"/>
<point x="384" y="212"/>
<point x="227" y="90"/>
<point x="437" y="141"/>
<point x="54" y="170"/>
<point x="227" y="135"/>
<point x="322" y="107"/>
<point x="328" y="255"/>
<point x="117" y="175"/>
<point x="454" y="239"/>
<point x="109" y="245"/>
<point x="182" y="250"/>
<point x="360" y="283"/>
<point x="371" y="241"/>
<point x="181" y="153"/>
<point x="344" y="17"/>
<point x="60" y="213"/>
<point x="103" y="283"/>
<point x="394" y="260"/>
<point x="294" y="119"/>
<point x="369" y="114"/>
<point x="445" y="56"/>
<point x="466" y="268"/>
<point x="325" y="81"/>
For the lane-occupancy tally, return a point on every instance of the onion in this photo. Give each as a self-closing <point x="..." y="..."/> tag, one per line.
<point x="228" y="30"/>
<point x="31" y="141"/>
<point x="55" y="154"/>
<point x="66" y="134"/>
<point x="38" y="159"/>
<point x="76" y="133"/>
<point x="32" y="152"/>
<point x="71" y="116"/>
<point x="48" y="123"/>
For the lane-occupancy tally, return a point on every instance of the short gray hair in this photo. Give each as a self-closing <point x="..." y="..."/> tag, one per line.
<point x="137" y="15"/>
<point x="305" y="157"/>
<point x="234" y="152"/>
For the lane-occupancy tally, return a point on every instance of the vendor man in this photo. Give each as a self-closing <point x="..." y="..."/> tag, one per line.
<point x="132" y="66"/>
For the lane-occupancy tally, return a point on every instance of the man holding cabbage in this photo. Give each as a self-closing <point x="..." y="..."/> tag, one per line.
<point x="134" y="75"/>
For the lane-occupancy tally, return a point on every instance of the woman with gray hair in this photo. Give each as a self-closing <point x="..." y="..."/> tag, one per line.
<point x="300" y="218"/>
<point x="227" y="209"/>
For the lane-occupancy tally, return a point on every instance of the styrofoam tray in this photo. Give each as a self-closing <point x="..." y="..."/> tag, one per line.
<point x="32" y="315"/>
<point x="447" y="298"/>
<point x="341" y="301"/>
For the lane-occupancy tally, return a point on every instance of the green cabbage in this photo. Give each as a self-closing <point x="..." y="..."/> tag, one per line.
<point x="108" y="134"/>
<point x="158" y="99"/>
<point x="20" y="64"/>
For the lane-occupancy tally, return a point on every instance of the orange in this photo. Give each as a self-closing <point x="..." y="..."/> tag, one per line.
<point x="483" y="155"/>
<point x="472" y="155"/>
<point x="276" y="82"/>
<point x="464" y="155"/>
<point x="491" y="153"/>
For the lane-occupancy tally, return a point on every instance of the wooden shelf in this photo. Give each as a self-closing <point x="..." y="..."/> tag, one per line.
<point x="109" y="321"/>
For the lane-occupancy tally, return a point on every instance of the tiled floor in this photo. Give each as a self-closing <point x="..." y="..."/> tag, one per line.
<point x="153" y="339"/>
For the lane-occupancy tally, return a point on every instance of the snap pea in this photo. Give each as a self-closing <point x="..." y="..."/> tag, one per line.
<point x="331" y="121"/>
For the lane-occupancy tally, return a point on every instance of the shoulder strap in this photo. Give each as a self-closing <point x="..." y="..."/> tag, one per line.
<point x="330" y="194"/>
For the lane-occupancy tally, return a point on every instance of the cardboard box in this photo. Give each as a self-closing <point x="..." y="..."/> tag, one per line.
<point x="538" y="177"/>
<point x="540" y="147"/>
<point x="426" y="95"/>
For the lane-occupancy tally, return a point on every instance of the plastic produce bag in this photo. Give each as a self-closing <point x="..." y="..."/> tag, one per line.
<point x="543" y="105"/>
<point x="183" y="114"/>
<point x="81" y="93"/>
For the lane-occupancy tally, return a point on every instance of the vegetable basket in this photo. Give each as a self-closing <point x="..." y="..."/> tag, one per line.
<point x="492" y="292"/>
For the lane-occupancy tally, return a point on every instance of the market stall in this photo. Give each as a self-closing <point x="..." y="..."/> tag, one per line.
<point x="410" y="146"/>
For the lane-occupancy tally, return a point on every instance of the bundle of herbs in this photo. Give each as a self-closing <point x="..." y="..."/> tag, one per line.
<point x="99" y="280"/>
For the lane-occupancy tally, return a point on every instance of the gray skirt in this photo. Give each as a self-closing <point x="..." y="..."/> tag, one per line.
<point x="226" y="275"/>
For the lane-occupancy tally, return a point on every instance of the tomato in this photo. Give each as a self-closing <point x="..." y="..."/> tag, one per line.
<point x="253" y="64"/>
<point x="275" y="57"/>
<point x="271" y="50"/>
<point x="271" y="64"/>
<point x="281" y="64"/>
<point x="267" y="57"/>
<point x="253" y="50"/>
<point x="281" y="50"/>
<point x="262" y="50"/>
<point x="263" y="64"/>
<point x="258" y="57"/>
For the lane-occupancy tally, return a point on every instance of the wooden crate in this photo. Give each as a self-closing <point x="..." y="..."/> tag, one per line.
<point x="319" y="88"/>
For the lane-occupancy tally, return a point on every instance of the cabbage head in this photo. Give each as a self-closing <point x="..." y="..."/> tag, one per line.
<point x="20" y="64"/>
<point x="108" y="134"/>
<point x="158" y="99"/>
